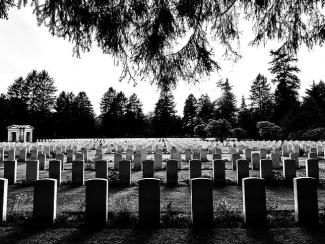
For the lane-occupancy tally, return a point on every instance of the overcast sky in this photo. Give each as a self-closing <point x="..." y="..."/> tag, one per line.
<point x="25" y="46"/>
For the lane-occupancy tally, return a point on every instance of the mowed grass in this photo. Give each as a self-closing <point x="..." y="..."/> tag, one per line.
<point x="175" y="209"/>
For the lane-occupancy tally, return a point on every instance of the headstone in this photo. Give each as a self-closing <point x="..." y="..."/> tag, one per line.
<point x="149" y="202"/>
<point x="124" y="174"/>
<point x="275" y="160"/>
<point x="42" y="161"/>
<point x="216" y="156"/>
<point x="188" y="154"/>
<point x="3" y="199"/>
<point x="312" y="155"/>
<point x="101" y="168"/>
<point x="263" y="152"/>
<point x="69" y="156"/>
<point x="195" y="169"/>
<point x="23" y="155"/>
<point x="61" y="158"/>
<point x="219" y="171"/>
<point x="117" y="159"/>
<point x="234" y="158"/>
<point x="10" y="171"/>
<point x="96" y="201"/>
<point x="196" y="156"/>
<point x="256" y="161"/>
<point x="254" y="201"/>
<point x="242" y="170"/>
<point x="158" y="161"/>
<point x="137" y="161"/>
<point x="201" y="202"/>
<point x="147" y="169"/>
<point x="143" y="154"/>
<point x="289" y="169"/>
<point x="55" y="169"/>
<point x="78" y="172"/>
<point x="45" y="199"/>
<point x="2" y="154"/>
<point x="295" y="157"/>
<point x="266" y="171"/>
<point x="312" y="168"/>
<point x="32" y="171"/>
<point x="85" y="153"/>
<point x="33" y="154"/>
<point x="11" y="156"/>
<point x="173" y="152"/>
<point x="171" y="172"/>
<point x="128" y="154"/>
<point x="204" y="155"/>
<point x="306" y="201"/>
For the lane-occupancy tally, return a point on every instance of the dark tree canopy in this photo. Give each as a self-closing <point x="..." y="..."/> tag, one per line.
<point x="167" y="41"/>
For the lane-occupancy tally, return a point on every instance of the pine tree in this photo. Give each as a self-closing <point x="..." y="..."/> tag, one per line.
<point x="227" y="102"/>
<point x="134" y="116"/>
<point x="285" y="76"/>
<point x="205" y="109"/>
<point x="261" y="97"/>
<point x="190" y="114"/>
<point x="165" y="120"/>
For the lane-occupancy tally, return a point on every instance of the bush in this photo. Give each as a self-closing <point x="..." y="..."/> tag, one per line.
<point x="239" y="133"/>
<point x="314" y="134"/>
<point x="268" y="130"/>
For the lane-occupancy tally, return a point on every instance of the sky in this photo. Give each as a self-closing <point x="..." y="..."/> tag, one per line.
<point x="25" y="46"/>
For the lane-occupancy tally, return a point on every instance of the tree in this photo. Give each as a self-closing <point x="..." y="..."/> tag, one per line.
<point x="218" y="128"/>
<point x="190" y="115"/>
<point x="286" y="93"/>
<point x="261" y="97"/>
<point x="165" y="120"/>
<point x="143" y="34"/>
<point x="227" y="102"/>
<point x="37" y="90"/>
<point x="205" y="109"/>
<point x="247" y="119"/>
<point x="134" y="116"/>
<point x="268" y="130"/>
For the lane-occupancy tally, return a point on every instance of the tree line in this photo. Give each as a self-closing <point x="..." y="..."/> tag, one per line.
<point x="263" y="114"/>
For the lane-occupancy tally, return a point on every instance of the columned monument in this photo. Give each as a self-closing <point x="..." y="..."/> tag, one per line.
<point x="20" y="133"/>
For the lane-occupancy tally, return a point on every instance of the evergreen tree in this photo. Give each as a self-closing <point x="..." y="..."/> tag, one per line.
<point x="247" y="119"/>
<point x="285" y="76"/>
<point x="205" y="109"/>
<point x="227" y="102"/>
<point x="261" y="97"/>
<point x="134" y="116"/>
<point x="165" y="120"/>
<point x="190" y="115"/>
<point x="65" y="116"/>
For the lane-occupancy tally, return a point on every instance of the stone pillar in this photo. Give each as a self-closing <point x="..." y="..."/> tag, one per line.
<point x="3" y="199"/>
<point x="234" y="158"/>
<point x="55" y="169"/>
<point x="312" y="168"/>
<point x="45" y="198"/>
<point x="124" y="174"/>
<point x="158" y="161"/>
<point x="188" y="155"/>
<point x="149" y="202"/>
<point x="289" y="169"/>
<point x="266" y="171"/>
<point x="101" y="169"/>
<point x="137" y="161"/>
<point x="78" y="171"/>
<point x="32" y="171"/>
<point x="254" y="201"/>
<point x="256" y="161"/>
<point x="242" y="170"/>
<point x="171" y="172"/>
<point x="195" y="169"/>
<point x="147" y="169"/>
<point x="69" y="156"/>
<point x="10" y="171"/>
<point x="96" y="201"/>
<point x="117" y="159"/>
<point x="306" y="201"/>
<point x="219" y="171"/>
<point x="201" y="202"/>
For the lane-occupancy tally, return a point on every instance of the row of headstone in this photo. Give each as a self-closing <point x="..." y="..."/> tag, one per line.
<point x="254" y="201"/>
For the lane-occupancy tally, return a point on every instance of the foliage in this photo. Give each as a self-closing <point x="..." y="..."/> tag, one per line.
<point x="314" y="134"/>
<point x="205" y="109"/>
<point x="218" y="128"/>
<point x="226" y="104"/>
<point x="200" y="131"/>
<point x="268" y="130"/>
<point x="239" y="133"/>
<point x="190" y="114"/>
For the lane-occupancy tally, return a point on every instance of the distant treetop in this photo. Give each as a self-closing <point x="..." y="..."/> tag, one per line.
<point x="166" y="41"/>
